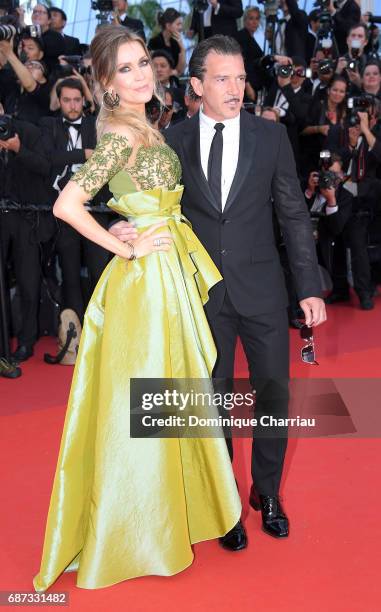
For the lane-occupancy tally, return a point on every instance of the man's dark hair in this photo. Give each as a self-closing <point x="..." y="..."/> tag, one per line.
<point x="223" y="45"/>
<point x="314" y="15"/>
<point x="54" y="9"/>
<point x="165" y="54"/>
<point x="71" y="83"/>
<point x="362" y="25"/>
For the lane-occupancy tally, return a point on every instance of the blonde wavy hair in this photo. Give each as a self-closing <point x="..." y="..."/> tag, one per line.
<point x="104" y="53"/>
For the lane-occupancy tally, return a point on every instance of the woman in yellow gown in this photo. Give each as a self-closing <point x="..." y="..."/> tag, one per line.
<point x="124" y="507"/>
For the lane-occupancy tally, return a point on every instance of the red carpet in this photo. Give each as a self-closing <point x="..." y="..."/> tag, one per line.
<point x="331" y="492"/>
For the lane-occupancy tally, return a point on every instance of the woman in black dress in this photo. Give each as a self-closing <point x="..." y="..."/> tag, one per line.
<point x="171" y="23"/>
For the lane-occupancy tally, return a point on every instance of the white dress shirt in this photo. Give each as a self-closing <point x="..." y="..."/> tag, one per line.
<point x="75" y="142"/>
<point x="230" y="152"/>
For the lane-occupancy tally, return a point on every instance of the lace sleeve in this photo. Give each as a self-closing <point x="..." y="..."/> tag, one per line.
<point x="110" y="155"/>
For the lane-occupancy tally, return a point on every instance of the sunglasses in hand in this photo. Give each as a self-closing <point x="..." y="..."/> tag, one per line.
<point x="308" y="351"/>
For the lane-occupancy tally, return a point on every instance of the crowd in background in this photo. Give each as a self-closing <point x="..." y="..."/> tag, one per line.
<point x="320" y="77"/>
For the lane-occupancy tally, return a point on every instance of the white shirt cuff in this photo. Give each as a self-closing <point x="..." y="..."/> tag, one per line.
<point x="217" y="9"/>
<point x="329" y="210"/>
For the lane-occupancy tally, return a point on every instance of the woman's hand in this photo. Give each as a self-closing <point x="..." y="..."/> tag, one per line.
<point x="150" y="242"/>
<point x="323" y="130"/>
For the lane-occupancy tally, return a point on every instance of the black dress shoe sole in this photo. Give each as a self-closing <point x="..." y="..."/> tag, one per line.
<point x="273" y="535"/>
<point x="241" y="547"/>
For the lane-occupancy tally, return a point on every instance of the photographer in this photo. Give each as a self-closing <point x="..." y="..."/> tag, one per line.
<point x="58" y="20"/>
<point x="53" y="41"/>
<point x="331" y="204"/>
<point x="360" y="149"/>
<point x="218" y="17"/>
<point x="120" y="17"/>
<point x="291" y="35"/>
<point x="354" y="61"/>
<point x="163" y="65"/>
<point x="345" y="14"/>
<point x="23" y="166"/>
<point x="287" y="95"/>
<point x="68" y="141"/>
<point x="28" y="90"/>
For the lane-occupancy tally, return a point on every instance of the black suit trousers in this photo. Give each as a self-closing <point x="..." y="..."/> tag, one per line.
<point x="73" y="250"/>
<point x="18" y="239"/>
<point x="265" y="339"/>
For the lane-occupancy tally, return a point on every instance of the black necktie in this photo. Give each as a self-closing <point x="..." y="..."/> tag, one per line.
<point x="215" y="163"/>
<point x="76" y="126"/>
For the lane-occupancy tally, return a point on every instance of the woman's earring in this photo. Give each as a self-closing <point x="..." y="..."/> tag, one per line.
<point x="110" y="101"/>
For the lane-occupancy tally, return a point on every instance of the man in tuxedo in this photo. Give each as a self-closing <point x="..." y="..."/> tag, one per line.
<point x="68" y="140"/>
<point x="291" y="35"/>
<point x="219" y="18"/>
<point x="54" y="44"/>
<point x="234" y="164"/>
<point x="121" y="17"/>
<point x="58" y="20"/>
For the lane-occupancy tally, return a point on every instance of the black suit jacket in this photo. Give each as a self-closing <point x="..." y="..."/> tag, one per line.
<point x="343" y="19"/>
<point x="135" y="25"/>
<point x="241" y="239"/>
<point x="296" y="30"/>
<point x="225" y="22"/>
<point x="72" y="45"/>
<point x="54" y="146"/>
<point x="252" y="53"/>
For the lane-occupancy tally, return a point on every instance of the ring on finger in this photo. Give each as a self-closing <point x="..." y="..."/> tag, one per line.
<point x="157" y="242"/>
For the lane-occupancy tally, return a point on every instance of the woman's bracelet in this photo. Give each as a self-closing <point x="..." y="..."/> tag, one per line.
<point x="132" y="256"/>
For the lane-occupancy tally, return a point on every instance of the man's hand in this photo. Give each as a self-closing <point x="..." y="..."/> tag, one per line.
<point x="124" y="231"/>
<point x="283" y="59"/>
<point x="6" y="47"/>
<point x="330" y="196"/>
<point x="12" y="144"/>
<point x="88" y="153"/>
<point x="354" y="77"/>
<point x="314" y="311"/>
<point x="213" y="3"/>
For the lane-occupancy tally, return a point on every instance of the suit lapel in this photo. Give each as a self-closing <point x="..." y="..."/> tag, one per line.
<point x="247" y="151"/>
<point x="192" y="155"/>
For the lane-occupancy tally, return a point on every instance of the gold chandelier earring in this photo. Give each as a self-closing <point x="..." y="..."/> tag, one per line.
<point x="110" y="101"/>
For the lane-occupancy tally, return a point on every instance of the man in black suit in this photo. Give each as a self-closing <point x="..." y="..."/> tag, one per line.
<point x="23" y="165"/>
<point x="219" y="18"/>
<point x="53" y="42"/>
<point x="121" y="17"/>
<point x="345" y="13"/>
<point x="234" y="167"/>
<point x="67" y="142"/>
<point x="58" y="20"/>
<point x="291" y="35"/>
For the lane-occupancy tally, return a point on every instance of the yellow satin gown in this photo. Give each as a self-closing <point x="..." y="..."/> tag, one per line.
<point x="124" y="507"/>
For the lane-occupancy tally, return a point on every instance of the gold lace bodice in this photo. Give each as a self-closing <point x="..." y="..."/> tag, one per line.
<point x="154" y="166"/>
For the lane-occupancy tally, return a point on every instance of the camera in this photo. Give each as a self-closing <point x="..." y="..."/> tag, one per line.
<point x="326" y="66"/>
<point x="7" y="32"/>
<point x="102" y="5"/>
<point x="327" y="178"/>
<point x="74" y="61"/>
<point x="7" y="129"/>
<point x="358" y="104"/>
<point x="284" y="70"/>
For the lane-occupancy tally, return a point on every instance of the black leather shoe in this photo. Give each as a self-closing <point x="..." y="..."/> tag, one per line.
<point x="22" y="353"/>
<point x="366" y="303"/>
<point x="235" y="539"/>
<point x="337" y="296"/>
<point x="274" y="520"/>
